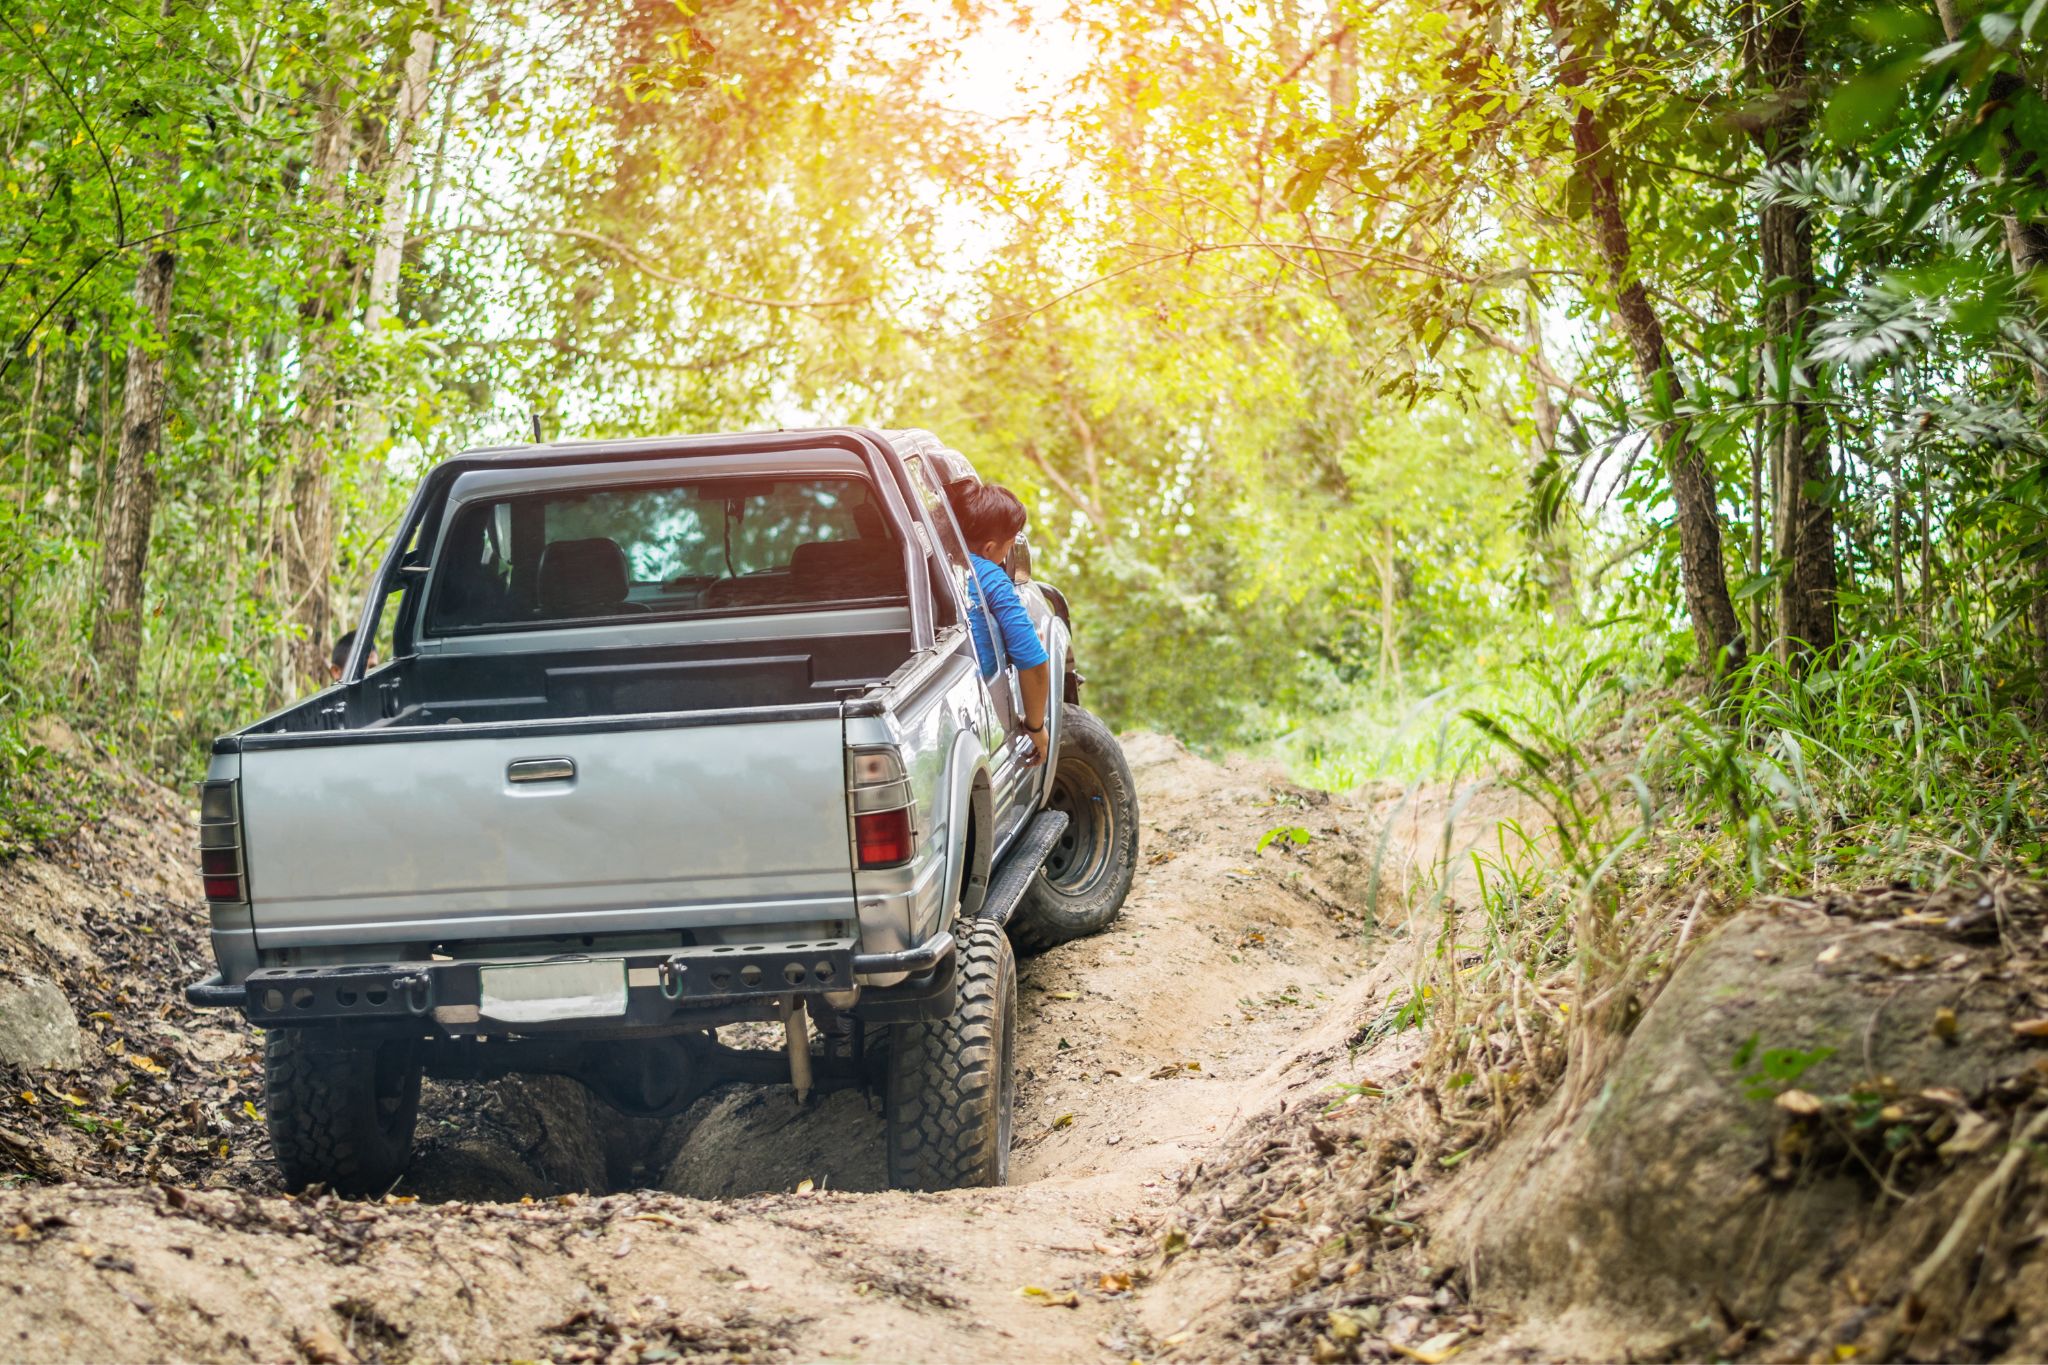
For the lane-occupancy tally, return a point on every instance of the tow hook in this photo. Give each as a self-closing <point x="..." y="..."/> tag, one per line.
<point x="796" y="1036"/>
<point x="670" y="975"/>
<point x="417" y="990"/>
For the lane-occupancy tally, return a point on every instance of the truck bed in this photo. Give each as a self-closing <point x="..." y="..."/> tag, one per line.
<point x="485" y="688"/>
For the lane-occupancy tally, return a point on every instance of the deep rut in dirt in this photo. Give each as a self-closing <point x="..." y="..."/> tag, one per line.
<point x="1137" y="1051"/>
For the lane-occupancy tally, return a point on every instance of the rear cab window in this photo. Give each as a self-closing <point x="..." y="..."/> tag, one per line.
<point x="689" y="547"/>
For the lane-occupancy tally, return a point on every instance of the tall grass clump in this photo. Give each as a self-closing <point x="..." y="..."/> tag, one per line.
<point x="1640" y="818"/>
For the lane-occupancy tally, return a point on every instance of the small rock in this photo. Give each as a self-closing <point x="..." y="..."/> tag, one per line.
<point x="37" y="1027"/>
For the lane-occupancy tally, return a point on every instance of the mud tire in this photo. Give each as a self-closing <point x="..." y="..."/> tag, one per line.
<point x="340" y="1115"/>
<point x="1081" y="888"/>
<point x="951" y="1089"/>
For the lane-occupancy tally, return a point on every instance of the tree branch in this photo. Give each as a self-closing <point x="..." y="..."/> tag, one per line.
<point x="642" y="264"/>
<point x="113" y="183"/>
<point x="1535" y="361"/>
<point x="1071" y="493"/>
<point x="28" y="333"/>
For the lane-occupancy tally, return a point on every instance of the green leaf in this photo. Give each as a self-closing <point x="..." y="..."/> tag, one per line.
<point x="1861" y="106"/>
<point x="1293" y="834"/>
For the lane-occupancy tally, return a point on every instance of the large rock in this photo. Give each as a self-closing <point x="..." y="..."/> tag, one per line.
<point x="37" y="1027"/>
<point x="1683" y="1197"/>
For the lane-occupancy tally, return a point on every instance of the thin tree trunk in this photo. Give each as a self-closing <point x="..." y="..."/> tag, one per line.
<point x="1703" y="576"/>
<point x="408" y="107"/>
<point x="74" y="455"/>
<point x="28" y="434"/>
<point x="117" y="626"/>
<point x="1390" y="621"/>
<point x="1553" y="555"/>
<point x="1756" y="531"/>
<point x="308" y="548"/>
<point x="1803" y="527"/>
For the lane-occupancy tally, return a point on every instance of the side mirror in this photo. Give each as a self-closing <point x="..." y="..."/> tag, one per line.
<point x="1018" y="565"/>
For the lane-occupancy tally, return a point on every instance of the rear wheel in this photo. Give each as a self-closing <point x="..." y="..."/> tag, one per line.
<point x="951" y="1087"/>
<point x="1081" y="887"/>
<point x="340" y="1114"/>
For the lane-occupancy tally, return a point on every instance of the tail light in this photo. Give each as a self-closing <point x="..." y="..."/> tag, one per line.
<point x="220" y="842"/>
<point x="882" y="838"/>
<point x="879" y="793"/>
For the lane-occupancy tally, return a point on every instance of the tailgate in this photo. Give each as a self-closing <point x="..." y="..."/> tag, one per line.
<point x="395" y="840"/>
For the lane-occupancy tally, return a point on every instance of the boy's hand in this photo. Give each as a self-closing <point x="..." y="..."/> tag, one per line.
<point x="1038" y="747"/>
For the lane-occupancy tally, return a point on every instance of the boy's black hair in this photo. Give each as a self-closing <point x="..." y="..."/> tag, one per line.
<point x="339" y="658"/>
<point x="986" y="511"/>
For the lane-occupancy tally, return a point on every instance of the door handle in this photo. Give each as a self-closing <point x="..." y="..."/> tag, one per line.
<point x="541" y="770"/>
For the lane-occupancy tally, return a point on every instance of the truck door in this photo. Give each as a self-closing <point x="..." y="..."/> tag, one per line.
<point x="1012" y="784"/>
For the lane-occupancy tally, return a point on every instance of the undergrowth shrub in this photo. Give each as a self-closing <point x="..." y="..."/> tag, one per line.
<point x="1647" y="814"/>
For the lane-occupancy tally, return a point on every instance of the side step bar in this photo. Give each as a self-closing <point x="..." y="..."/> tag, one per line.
<point x="1022" y="865"/>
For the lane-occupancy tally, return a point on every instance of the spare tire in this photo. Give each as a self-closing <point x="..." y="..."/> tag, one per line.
<point x="1083" y="883"/>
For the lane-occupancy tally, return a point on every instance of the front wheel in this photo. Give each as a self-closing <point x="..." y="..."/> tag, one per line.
<point x="951" y="1087"/>
<point x="339" y="1114"/>
<point x="1082" y="886"/>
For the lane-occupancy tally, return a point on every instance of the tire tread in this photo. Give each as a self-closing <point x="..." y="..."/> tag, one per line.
<point x="948" y="1080"/>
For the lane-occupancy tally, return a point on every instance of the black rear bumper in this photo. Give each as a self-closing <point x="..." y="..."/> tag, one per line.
<point x="695" y="985"/>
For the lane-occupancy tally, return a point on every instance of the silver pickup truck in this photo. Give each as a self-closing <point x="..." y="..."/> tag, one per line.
<point x="668" y="735"/>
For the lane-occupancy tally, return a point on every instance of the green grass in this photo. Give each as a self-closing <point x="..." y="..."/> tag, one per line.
<point x="1653" y="811"/>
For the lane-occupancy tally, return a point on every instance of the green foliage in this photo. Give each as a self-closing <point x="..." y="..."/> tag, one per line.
<point x="1777" y="1069"/>
<point x="1645" y="812"/>
<point x="1290" y="327"/>
<point x="1294" y="835"/>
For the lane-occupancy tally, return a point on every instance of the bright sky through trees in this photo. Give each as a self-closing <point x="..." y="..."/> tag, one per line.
<point x="1326" y="341"/>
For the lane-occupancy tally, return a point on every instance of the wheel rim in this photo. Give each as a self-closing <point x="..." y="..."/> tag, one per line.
<point x="1081" y="857"/>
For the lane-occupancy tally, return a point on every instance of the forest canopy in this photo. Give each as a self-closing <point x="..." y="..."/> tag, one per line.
<point x="1340" y="351"/>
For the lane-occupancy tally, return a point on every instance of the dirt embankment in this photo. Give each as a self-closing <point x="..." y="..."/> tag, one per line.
<point x="1822" y="1135"/>
<point x="1227" y="988"/>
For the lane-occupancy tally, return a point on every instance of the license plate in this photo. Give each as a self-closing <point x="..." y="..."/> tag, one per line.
<point x="537" y="992"/>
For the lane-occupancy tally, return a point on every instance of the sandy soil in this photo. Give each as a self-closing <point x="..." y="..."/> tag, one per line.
<point x="1231" y="988"/>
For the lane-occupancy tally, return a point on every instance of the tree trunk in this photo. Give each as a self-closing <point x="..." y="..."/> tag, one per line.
<point x="308" y="552"/>
<point x="408" y="107"/>
<point x="74" y="455"/>
<point x="1547" y="542"/>
<point x="117" y="625"/>
<point x="1390" y="618"/>
<point x="1704" y="577"/>
<point x="1802" y="466"/>
<point x="28" y="432"/>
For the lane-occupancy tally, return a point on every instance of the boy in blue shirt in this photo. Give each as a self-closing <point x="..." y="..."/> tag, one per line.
<point x="991" y="518"/>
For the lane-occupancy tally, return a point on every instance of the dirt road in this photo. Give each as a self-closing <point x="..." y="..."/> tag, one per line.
<point x="1139" y="1050"/>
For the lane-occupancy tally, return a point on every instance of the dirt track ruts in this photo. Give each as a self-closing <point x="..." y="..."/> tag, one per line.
<point x="1138" y="1051"/>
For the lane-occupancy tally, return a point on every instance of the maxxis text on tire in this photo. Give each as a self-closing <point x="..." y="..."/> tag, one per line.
<point x="951" y="1090"/>
<point x="340" y="1114"/>
<point x="1086" y="877"/>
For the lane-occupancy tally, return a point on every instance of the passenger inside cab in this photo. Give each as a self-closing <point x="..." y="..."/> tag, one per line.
<point x="991" y="518"/>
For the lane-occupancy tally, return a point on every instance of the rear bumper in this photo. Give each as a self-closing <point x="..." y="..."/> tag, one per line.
<point x="696" y="986"/>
